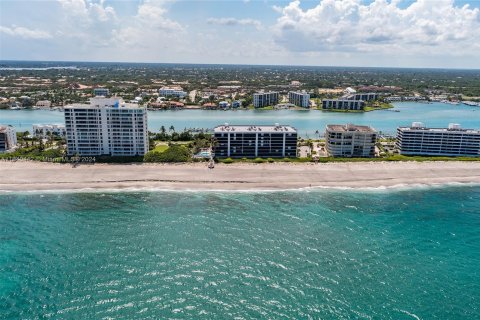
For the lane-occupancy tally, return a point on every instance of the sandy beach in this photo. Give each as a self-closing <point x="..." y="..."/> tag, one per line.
<point x="33" y="176"/>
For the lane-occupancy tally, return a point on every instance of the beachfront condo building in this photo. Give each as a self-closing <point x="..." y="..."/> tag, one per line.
<point x="46" y="130"/>
<point x="249" y="141"/>
<point x="350" y="140"/>
<point x="172" y="92"/>
<point x="106" y="126"/>
<point x="8" y="138"/>
<point x="104" y="92"/>
<point x="300" y="99"/>
<point x="265" y="99"/>
<point x="342" y="104"/>
<point x="451" y="141"/>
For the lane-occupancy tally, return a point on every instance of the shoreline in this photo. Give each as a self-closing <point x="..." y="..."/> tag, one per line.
<point x="51" y="177"/>
<point x="393" y="188"/>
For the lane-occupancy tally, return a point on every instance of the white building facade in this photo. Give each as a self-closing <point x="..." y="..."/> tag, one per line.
<point x="364" y="96"/>
<point x="8" y="138"/>
<point x="106" y="126"/>
<point x="172" y="92"/>
<point x="46" y="130"/>
<point x="104" y="92"/>
<point x="350" y="140"/>
<point x="44" y="104"/>
<point x="300" y="99"/>
<point x="343" y="104"/>
<point x="452" y="141"/>
<point x="264" y="99"/>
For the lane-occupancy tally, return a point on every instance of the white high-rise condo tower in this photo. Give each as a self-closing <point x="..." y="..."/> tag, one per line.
<point x="106" y="126"/>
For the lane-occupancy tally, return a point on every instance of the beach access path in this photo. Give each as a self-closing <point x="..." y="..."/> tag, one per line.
<point x="37" y="176"/>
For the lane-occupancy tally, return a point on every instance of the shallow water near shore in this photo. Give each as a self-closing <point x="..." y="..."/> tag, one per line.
<point x="330" y="254"/>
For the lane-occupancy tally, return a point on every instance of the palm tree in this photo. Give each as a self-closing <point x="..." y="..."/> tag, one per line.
<point x="162" y="129"/>
<point x="172" y="129"/>
<point x="213" y="143"/>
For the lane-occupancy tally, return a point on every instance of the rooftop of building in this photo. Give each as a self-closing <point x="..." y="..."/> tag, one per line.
<point x="3" y="128"/>
<point x="452" y="127"/>
<point x="58" y="125"/>
<point x="266" y="92"/>
<point x="171" y="88"/>
<point x="343" y="99"/>
<point x="303" y="92"/>
<point x="103" y="102"/>
<point x="254" y="128"/>
<point x="350" y="128"/>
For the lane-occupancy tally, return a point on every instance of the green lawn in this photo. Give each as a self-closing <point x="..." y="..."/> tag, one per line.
<point x="161" y="147"/>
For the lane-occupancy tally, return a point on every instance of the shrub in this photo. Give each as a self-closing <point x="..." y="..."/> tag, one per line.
<point x="176" y="153"/>
<point x="227" y="160"/>
<point x="270" y="160"/>
<point x="259" y="160"/>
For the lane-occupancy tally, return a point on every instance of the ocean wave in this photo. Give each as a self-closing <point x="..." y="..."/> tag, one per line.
<point x="396" y="187"/>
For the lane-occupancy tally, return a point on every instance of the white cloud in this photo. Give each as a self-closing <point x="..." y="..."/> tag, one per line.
<point x="235" y="22"/>
<point x="150" y="27"/>
<point x="97" y="31"/>
<point x="351" y="26"/>
<point x="88" y="24"/>
<point x="277" y="9"/>
<point x="25" y="33"/>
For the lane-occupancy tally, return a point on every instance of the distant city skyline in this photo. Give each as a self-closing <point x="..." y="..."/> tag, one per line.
<point x="373" y="33"/>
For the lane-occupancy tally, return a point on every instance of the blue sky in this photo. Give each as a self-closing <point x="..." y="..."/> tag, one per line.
<point x="396" y="33"/>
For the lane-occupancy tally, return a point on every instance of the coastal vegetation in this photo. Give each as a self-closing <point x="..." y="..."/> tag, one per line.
<point x="378" y="105"/>
<point x="389" y="158"/>
<point x="174" y="153"/>
<point x="36" y="152"/>
<point x="210" y="84"/>
<point x="180" y="147"/>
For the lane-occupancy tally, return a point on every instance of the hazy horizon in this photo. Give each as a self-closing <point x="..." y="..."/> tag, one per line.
<point x="2" y="61"/>
<point x="348" y="33"/>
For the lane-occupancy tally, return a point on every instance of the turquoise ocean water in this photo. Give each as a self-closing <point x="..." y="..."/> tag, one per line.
<point x="324" y="254"/>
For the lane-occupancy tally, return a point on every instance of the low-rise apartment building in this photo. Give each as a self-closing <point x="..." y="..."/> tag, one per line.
<point x="45" y="130"/>
<point x="172" y="92"/>
<point x="350" y="140"/>
<point x="8" y="138"/>
<point x="43" y="104"/>
<point x="300" y="99"/>
<point x="104" y="92"/>
<point x="452" y="141"/>
<point x="264" y="99"/>
<point x="362" y="96"/>
<point x="250" y="141"/>
<point x="342" y="104"/>
<point x="106" y="126"/>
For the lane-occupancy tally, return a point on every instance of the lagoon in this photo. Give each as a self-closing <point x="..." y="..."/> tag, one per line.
<point x="306" y="121"/>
